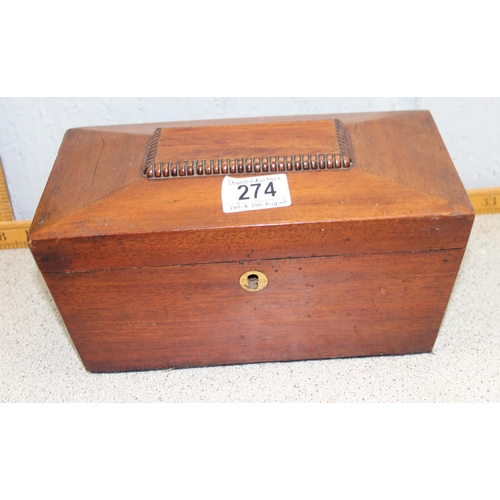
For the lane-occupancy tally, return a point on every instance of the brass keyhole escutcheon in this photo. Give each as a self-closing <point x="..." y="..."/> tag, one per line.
<point x="253" y="281"/>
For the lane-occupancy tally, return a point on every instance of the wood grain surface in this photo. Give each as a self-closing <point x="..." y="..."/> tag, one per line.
<point x="190" y="143"/>
<point x="197" y="315"/>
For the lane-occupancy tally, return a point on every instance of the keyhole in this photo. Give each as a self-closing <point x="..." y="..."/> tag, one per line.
<point x="253" y="281"/>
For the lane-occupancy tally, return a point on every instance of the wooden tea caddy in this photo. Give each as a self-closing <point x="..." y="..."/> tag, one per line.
<point x="149" y="272"/>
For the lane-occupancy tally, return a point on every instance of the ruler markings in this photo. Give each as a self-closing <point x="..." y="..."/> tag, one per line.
<point x="485" y="200"/>
<point x="14" y="234"/>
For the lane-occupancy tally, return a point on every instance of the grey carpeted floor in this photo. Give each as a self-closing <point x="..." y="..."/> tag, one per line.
<point x="38" y="362"/>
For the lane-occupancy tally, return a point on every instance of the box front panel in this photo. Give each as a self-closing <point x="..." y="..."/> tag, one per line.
<point x="199" y="315"/>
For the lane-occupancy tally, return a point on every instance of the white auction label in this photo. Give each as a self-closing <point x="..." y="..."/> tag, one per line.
<point x="255" y="193"/>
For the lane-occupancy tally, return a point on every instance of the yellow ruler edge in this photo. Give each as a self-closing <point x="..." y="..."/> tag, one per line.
<point x="5" y="208"/>
<point x="14" y="233"/>
<point x="485" y="200"/>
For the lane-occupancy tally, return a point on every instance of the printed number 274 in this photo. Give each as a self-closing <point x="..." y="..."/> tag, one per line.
<point x="269" y="190"/>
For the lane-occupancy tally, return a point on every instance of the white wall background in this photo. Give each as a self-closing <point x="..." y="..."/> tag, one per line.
<point x="31" y="129"/>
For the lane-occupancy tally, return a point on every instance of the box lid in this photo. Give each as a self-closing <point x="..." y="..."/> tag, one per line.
<point x="150" y="194"/>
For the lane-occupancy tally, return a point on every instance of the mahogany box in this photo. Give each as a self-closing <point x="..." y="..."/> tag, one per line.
<point x="252" y="240"/>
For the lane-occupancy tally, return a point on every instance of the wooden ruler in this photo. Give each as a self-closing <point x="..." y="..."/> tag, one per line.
<point x="13" y="233"/>
<point x="485" y="200"/>
<point x="5" y="207"/>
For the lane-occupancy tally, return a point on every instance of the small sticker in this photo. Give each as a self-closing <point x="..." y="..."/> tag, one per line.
<point x="255" y="193"/>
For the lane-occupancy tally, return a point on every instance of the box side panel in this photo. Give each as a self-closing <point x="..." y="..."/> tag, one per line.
<point x="199" y="315"/>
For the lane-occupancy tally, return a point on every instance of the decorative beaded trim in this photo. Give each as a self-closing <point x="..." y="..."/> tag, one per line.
<point x="246" y="165"/>
<point x="289" y="163"/>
